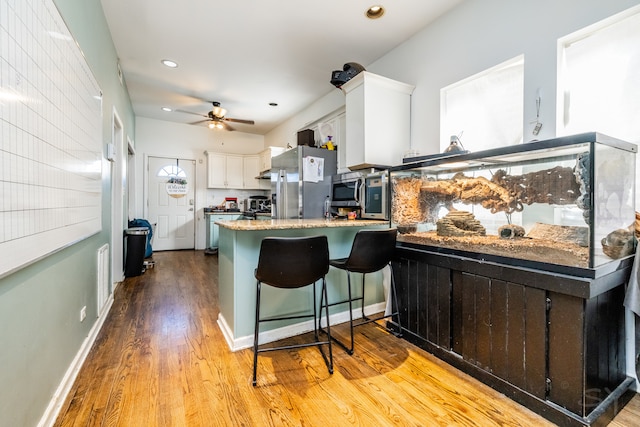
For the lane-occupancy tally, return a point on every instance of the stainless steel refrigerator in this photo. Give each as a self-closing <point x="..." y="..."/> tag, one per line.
<point x="301" y="182"/>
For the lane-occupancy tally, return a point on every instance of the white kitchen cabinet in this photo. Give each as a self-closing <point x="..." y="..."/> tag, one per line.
<point x="250" y="172"/>
<point x="225" y="170"/>
<point x="378" y="123"/>
<point x="264" y="165"/>
<point x="265" y="157"/>
<point x="235" y="174"/>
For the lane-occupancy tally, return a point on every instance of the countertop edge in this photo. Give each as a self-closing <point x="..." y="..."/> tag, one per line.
<point x="223" y="213"/>
<point x="290" y="224"/>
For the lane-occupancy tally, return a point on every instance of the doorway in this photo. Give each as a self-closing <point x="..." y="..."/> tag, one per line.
<point x="118" y="183"/>
<point x="171" y="202"/>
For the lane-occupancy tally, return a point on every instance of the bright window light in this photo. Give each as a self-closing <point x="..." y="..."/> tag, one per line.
<point x="599" y="78"/>
<point x="172" y="171"/>
<point x="486" y="108"/>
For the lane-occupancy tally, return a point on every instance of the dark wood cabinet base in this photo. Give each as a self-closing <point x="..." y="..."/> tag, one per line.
<point x="552" y="342"/>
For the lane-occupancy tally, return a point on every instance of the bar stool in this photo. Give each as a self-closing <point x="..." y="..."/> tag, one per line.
<point x="371" y="251"/>
<point x="292" y="263"/>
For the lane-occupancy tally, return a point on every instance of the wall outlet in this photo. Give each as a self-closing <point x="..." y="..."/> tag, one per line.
<point x="83" y="313"/>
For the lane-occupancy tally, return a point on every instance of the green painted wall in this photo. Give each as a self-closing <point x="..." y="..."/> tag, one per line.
<point x="40" y="330"/>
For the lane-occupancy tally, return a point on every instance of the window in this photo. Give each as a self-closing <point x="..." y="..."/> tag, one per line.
<point x="487" y="108"/>
<point x="599" y="79"/>
<point x="172" y="171"/>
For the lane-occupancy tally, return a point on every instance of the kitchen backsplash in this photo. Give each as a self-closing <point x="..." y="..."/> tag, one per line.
<point x="216" y="197"/>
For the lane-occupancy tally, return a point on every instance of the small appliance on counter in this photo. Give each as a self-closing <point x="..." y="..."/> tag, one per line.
<point x="259" y="204"/>
<point x="365" y="192"/>
<point x="256" y="206"/>
<point x="231" y="204"/>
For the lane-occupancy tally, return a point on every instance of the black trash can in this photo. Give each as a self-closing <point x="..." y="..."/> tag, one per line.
<point x="135" y="245"/>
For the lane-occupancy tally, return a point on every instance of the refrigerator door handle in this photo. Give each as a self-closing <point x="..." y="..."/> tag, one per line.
<point x="281" y="194"/>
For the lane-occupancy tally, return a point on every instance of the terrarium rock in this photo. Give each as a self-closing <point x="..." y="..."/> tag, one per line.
<point x="561" y="233"/>
<point x="460" y="223"/>
<point x="618" y="243"/>
<point x="511" y="231"/>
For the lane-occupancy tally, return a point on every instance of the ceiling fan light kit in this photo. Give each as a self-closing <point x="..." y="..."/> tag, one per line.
<point x="218" y="111"/>
<point x="216" y="118"/>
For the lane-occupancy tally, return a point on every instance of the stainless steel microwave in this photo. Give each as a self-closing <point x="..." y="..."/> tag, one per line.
<point x="366" y="191"/>
<point x="346" y="189"/>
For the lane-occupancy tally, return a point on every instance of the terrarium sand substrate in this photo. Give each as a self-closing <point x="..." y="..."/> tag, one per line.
<point x="541" y="250"/>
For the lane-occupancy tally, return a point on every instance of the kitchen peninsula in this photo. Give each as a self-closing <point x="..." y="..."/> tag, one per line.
<point x="239" y="247"/>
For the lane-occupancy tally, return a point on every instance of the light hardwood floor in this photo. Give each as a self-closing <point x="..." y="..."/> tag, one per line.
<point x="161" y="360"/>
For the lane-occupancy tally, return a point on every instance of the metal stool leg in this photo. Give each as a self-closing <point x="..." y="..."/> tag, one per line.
<point x="349" y="300"/>
<point x="326" y="308"/>
<point x="395" y="301"/>
<point x="395" y="313"/>
<point x="255" y="334"/>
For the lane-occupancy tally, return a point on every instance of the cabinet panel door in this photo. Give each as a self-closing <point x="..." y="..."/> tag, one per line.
<point x="250" y="171"/>
<point x="566" y="351"/>
<point x="216" y="170"/>
<point x="264" y="160"/>
<point x="235" y="175"/>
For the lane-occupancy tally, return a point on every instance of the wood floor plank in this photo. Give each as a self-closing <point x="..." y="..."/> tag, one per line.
<point x="161" y="360"/>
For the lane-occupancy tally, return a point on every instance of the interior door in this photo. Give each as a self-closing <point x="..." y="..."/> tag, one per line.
<point x="171" y="202"/>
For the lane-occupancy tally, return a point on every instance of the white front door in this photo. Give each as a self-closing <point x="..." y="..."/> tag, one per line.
<point x="171" y="190"/>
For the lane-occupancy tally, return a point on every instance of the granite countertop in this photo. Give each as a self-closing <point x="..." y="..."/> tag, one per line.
<point x="222" y="213"/>
<point x="290" y="224"/>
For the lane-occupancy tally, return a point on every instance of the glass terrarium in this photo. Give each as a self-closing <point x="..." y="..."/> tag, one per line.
<point x="566" y="201"/>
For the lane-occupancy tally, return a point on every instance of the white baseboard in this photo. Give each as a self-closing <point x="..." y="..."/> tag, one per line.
<point x="240" y="343"/>
<point x="52" y="411"/>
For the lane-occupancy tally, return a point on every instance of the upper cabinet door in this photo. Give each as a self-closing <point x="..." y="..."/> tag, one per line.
<point x="235" y="175"/>
<point x="378" y="113"/>
<point x="250" y="170"/>
<point x="216" y="170"/>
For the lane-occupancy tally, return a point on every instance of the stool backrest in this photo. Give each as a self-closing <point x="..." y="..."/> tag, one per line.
<point x="371" y="250"/>
<point x="292" y="262"/>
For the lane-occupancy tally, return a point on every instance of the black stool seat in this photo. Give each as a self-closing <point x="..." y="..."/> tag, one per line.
<point x="371" y="251"/>
<point x="292" y="263"/>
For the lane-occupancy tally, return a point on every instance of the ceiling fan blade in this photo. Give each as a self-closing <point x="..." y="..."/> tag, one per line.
<point x="227" y="126"/>
<point x="246" y="122"/>
<point x="191" y="112"/>
<point x="198" y="122"/>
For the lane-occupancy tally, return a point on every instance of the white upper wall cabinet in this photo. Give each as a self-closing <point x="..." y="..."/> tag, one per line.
<point x="233" y="171"/>
<point x="378" y="121"/>
<point x="224" y="170"/>
<point x="250" y="170"/>
<point x="265" y="157"/>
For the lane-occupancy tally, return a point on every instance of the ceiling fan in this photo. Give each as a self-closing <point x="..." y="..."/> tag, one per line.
<point x="216" y="118"/>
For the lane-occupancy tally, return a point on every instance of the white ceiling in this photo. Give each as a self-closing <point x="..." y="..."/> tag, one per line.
<point x="246" y="54"/>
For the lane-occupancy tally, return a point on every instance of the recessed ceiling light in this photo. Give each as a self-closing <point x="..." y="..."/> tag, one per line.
<point x="273" y="104"/>
<point x="169" y="63"/>
<point x="375" y="12"/>
<point x="166" y="109"/>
